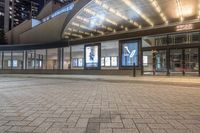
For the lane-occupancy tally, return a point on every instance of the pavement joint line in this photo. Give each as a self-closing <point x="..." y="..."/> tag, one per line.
<point x="186" y="84"/>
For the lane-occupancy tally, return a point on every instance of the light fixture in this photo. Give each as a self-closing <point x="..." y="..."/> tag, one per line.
<point x="79" y="31"/>
<point x="73" y="34"/>
<point x="180" y="10"/>
<point x="117" y="13"/>
<point x="156" y="6"/>
<point x="134" y="8"/>
<point x="86" y="20"/>
<point x="100" y="17"/>
<point x="87" y="28"/>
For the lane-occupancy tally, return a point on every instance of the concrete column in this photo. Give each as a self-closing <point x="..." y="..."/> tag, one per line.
<point x="60" y="58"/>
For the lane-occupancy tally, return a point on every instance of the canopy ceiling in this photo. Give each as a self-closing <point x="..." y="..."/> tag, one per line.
<point x="102" y="17"/>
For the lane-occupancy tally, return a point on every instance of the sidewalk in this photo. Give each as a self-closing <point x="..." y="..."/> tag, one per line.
<point x="142" y="79"/>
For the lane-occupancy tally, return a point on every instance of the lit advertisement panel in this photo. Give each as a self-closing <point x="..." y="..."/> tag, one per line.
<point x="130" y="54"/>
<point x="91" y="56"/>
<point x="114" y="61"/>
<point x="107" y="61"/>
<point x="80" y="62"/>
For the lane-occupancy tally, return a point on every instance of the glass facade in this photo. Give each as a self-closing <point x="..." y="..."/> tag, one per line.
<point x="158" y="56"/>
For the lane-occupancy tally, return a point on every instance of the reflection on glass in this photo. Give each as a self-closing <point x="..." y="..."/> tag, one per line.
<point x="161" y="60"/>
<point x="191" y="60"/>
<point x="130" y="54"/>
<point x="176" y="60"/>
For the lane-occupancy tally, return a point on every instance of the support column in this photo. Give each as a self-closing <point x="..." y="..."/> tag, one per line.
<point x="168" y="61"/>
<point x="70" y="57"/>
<point x="46" y="59"/>
<point x="183" y="61"/>
<point x="199" y="59"/>
<point x="2" y="58"/>
<point x="60" y="58"/>
<point x="34" y="59"/>
<point x="11" y="60"/>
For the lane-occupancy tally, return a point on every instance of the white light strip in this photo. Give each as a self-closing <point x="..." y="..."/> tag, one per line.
<point x="87" y="28"/>
<point x="79" y="31"/>
<point x="86" y="20"/>
<point x="99" y="16"/>
<point x="155" y="4"/>
<point x="180" y="10"/>
<point x="134" y="8"/>
<point x="73" y="34"/>
<point x="106" y="7"/>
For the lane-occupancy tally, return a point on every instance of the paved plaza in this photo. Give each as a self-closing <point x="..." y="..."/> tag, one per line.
<point x="59" y="105"/>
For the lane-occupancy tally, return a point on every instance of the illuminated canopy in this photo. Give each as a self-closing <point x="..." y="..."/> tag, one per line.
<point x="103" y="17"/>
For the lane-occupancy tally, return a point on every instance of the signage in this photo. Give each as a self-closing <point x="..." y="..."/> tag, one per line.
<point x="107" y="61"/>
<point x="130" y="54"/>
<point x="184" y="27"/>
<point x="91" y="56"/>
<point x="114" y="61"/>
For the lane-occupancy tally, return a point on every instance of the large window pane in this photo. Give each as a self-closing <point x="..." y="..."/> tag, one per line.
<point x="18" y="61"/>
<point x="31" y="59"/>
<point x="67" y="63"/>
<point x="7" y="60"/>
<point x="109" y="54"/>
<point x="52" y="62"/>
<point x="78" y="57"/>
<point x="40" y="62"/>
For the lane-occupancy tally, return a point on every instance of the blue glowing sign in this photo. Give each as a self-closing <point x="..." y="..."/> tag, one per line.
<point x="130" y="54"/>
<point x="66" y="8"/>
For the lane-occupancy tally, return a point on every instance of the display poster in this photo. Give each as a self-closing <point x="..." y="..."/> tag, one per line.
<point x="145" y="60"/>
<point x="130" y="54"/>
<point x="74" y="63"/>
<point x="80" y="62"/>
<point x="9" y="63"/>
<point x="102" y="61"/>
<point x="91" y="56"/>
<point x="14" y="63"/>
<point x="107" y="61"/>
<point x="114" y="61"/>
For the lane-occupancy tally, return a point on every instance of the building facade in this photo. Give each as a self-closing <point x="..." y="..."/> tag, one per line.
<point x="17" y="11"/>
<point x="109" y="37"/>
<point x="1" y="14"/>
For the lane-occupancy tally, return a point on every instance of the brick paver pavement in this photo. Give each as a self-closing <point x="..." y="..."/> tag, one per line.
<point x="53" y="105"/>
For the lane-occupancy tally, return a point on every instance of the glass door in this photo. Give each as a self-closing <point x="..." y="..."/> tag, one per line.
<point x="191" y="61"/>
<point x="160" y="62"/>
<point x="176" y="61"/>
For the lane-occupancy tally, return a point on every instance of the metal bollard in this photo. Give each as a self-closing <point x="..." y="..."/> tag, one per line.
<point x="134" y="70"/>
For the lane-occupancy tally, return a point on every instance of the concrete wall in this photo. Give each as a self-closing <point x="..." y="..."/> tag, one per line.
<point x="45" y="32"/>
<point x="48" y="9"/>
<point x="13" y="36"/>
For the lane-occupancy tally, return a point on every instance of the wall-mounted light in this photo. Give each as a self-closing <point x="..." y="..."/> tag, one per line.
<point x="180" y="10"/>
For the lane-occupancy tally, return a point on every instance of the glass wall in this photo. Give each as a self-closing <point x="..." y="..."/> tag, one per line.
<point x="148" y="62"/>
<point x="31" y="59"/>
<point x="7" y="64"/>
<point x="1" y="59"/>
<point x="52" y="59"/>
<point x="17" y="60"/>
<point x="176" y="58"/>
<point x="110" y="55"/>
<point x="40" y="61"/>
<point x="67" y="63"/>
<point x="77" y="57"/>
<point x="191" y="61"/>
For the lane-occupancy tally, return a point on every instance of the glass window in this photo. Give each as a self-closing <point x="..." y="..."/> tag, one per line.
<point x="18" y="61"/>
<point x="195" y="37"/>
<point x="77" y="56"/>
<point x="109" y="54"/>
<point x="148" y="61"/>
<point x="52" y="58"/>
<point x="31" y="59"/>
<point x="40" y="62"/>
<point x="67" y="63"/>
<point x="7" y="60"/>
<point x="180" y="38"/>
<point x="130" y="54"/>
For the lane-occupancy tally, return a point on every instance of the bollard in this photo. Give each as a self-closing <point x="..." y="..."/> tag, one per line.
<point x="134" y="70"/>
